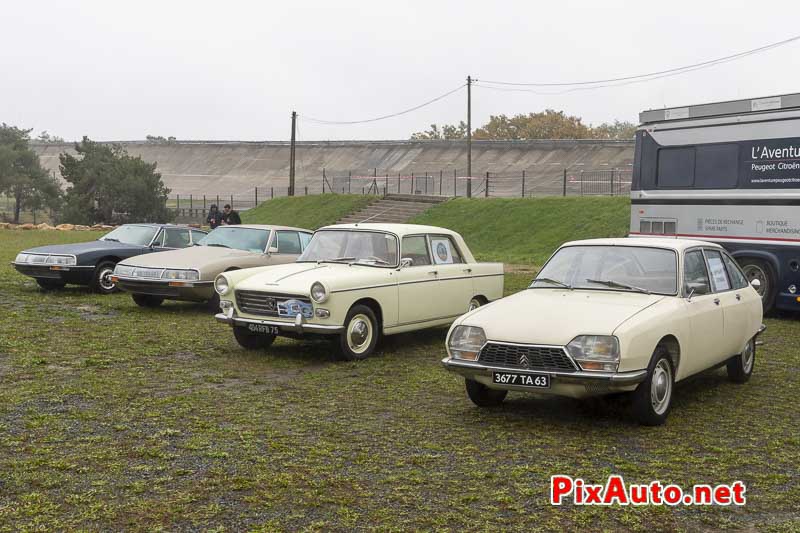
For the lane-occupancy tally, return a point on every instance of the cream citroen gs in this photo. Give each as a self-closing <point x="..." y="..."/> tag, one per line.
<point x="613" y="315"/>
<point x="356" y="282"/>
<point x="188" y="274"/>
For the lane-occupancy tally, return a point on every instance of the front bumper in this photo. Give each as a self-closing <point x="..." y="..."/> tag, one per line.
<point x="574" y="384"/>
<point x="77" y="274"/>
<point x="298" y="327"/>
<point x="190" y="291"/>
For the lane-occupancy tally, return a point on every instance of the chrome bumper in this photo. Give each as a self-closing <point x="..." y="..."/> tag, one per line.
<point x="470" y="369"/>
<point x="299" y="326"/>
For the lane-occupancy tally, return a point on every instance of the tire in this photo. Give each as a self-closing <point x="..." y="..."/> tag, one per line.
<point x="101" y="279"/>
<point x="147" y="300"/>
<point x="483" y="396"/>
<point x="475" y="303"/>
<point x="763" y="272"/>
<point x="360" y="335"/>
<point x="213" y="303"/>
<point x="740" y="366"/>
<point x="50" y="284"/>
<point x="652" y="399"/>
<point x="252" y="341"/>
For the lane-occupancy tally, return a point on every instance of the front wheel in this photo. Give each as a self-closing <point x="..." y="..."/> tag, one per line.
<point x="252" y="341"/>
<point x="147" y="300"/>
<point x="652" y="399"/>
<point x="212" y="304"/>
<point x="483" y="396"/>
<point x="50" y="284"/>
<point x="740" y="367"/>
<point x="360" y="334"/>
<point x="101" y="281"/>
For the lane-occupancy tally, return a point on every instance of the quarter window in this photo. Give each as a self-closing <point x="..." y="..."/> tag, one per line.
<point x="305" y="238"/>
<point x="738" y="279"/>
<point x="695" y="274"/>
<point x="416" y="249"/>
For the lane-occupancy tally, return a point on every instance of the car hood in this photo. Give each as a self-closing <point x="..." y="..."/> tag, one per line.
<point x="556" y="316"/>
<point x="197" y="257"/>
<point x="296" y="278"/>
<point x="79" y="248"/>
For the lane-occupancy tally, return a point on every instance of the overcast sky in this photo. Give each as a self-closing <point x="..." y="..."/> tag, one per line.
<point x="235" y="70"/>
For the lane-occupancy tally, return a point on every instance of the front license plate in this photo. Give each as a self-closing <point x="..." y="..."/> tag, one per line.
<point x="263" y="328"/>
<point x="535" y="381"/>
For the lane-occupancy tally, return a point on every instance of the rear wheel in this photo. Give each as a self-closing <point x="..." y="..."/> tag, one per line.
<point x="475" y="303"/>
<point x="360" y="334"/>
<point x="147" y="300"/>
<point x="483" y="396"/>
<point x="740" y="367"/>
<point x="652" y="399"/>
<point x="101" y="281"/>
<point x="50" y="284"/>
<point x="763" y="272"/>
<point x="252" y="341"/>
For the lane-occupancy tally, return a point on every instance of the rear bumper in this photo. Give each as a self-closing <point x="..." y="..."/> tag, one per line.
<point x="78" y="275"/>
<point x="298" y="327"/>
<point x="190" y="291"/>
<point x="573" y="384"/>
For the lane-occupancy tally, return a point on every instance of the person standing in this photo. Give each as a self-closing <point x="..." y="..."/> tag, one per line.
<point x="230" y="217"/>
<point x="214" y="217"/>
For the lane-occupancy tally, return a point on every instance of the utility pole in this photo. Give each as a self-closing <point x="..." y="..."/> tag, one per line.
<point x="292" y="153"/>
<point x="469" y="137"/>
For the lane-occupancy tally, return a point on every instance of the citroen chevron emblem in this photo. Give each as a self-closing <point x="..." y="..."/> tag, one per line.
<point x="523" y="360"/>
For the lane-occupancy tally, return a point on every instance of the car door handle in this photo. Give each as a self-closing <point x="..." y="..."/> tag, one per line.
<point x="738" y="296"/>
<point x="716" y="301"/>
<point x="467" y="271"/>
<point x="434" y="272"/>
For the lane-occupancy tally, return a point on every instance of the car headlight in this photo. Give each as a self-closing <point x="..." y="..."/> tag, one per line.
<point x="318" y="292"/>
<point x="61" y="260"/>
<point x="221" y="285"/>
<point x="466" y="342"/>
<point x="123" y="270"/>
<point x="21" y="258"/>
<point x="188" y="275"/>
<point x="595" y="352"/>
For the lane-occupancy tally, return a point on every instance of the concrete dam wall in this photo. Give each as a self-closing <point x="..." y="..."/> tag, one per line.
<point x="224" y="168"/>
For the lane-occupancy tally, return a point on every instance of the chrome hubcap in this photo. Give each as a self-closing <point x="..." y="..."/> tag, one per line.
<point x="359" y="333"/>
<point x="747" y="357"/>
<point x="752" y="272"/>
<point x="661" y="387"/>
<point x="105" y="279"/>
<point x="474" y="304"/>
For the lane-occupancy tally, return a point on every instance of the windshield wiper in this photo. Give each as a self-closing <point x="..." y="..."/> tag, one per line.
<point x="618" y="285"/>
<point x="373" y="259"/>
<point x="218" y="244"/>
<point x="552" y="281"/>
<point x="112" y="239"/>
<point x="337" y="260"/>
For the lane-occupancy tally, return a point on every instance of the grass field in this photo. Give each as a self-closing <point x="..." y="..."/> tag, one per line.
<point x="526" y="231"/>
<point x="309" y="212"/>
<point x="115" y="417"/>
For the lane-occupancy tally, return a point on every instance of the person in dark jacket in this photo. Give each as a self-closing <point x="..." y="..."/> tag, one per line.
<point x="229" y="216"/>
<point x="214" y="217"/>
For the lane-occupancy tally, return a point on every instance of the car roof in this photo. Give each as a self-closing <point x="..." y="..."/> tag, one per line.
<point x="270" y="226"/>
<point x="398" y="229"/>
<point x="647" y="242"/>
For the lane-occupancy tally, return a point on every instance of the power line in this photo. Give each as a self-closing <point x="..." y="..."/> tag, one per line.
<point x="651" y="75"/>
<point x="392" y="115"/>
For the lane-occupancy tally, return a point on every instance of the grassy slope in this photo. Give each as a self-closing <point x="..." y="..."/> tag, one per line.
<point x="528" y="230"/>
<point x="310" y="212"/>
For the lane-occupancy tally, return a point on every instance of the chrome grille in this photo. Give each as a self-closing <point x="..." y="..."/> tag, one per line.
<point x="262" y="303"/>
<point x="526" y="356"/>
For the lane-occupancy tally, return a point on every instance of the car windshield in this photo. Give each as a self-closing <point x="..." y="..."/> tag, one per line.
<point x="131" y="234"/>
<point x="617" y="268"/>
<point x="362" y="247"/>
<point x="248" y="239"/>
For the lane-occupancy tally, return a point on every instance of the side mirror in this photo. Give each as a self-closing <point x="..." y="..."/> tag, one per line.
<point x="691" y="293"/>
<point x="406" y="262"/>
<point x="755" y="283"/>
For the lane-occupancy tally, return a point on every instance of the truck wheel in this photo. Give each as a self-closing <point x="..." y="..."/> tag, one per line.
<point x="101" y="281"/>
<point x="483" y="396"/>
<point x="360" y="334"/>
<point x="147" y="300"/>
<point x="763" y="272"/>
<point x="50" y="284"/>
<point x="740" y="366"/>
<point x="252" y="341"/>
<point x="652" y="399"/>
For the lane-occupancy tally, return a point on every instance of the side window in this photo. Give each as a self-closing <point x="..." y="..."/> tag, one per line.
<point x="719" y="276"/>
<point x="737" y="277"/>
<point x="305" y="238"/>
<point x="159" y="240"/>
<point x="717" y="166"/>
<point x="444" y="250"/>
<point x="416" y="249"/>
<point x="695" y="275"/>
<point x="675" y="167"/>
<point x="197" y="235"/>
<point x="289" y="242"/>
<point x="176" y="238"/>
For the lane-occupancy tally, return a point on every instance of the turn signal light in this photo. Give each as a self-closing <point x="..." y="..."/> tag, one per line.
<point x="114" y="279"/>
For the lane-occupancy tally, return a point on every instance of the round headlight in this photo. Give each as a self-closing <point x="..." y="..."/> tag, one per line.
<point x="318" y="292"/>
<point x="221" y="285"/>
<point x="465" y="342"/>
